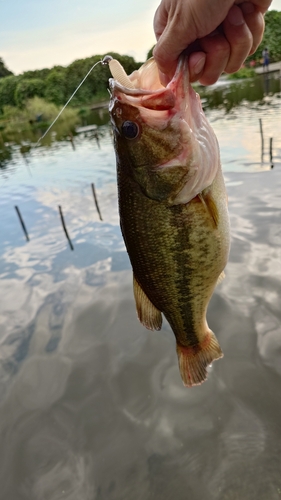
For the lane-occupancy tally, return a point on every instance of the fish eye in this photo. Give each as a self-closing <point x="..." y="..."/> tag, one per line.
<point x="130" y="130"/>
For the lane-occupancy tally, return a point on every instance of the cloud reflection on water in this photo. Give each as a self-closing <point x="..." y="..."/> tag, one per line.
<point x="92" y="406"/>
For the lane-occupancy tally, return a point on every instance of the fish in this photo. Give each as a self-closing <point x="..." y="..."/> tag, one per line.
<point x="172" y="205"/>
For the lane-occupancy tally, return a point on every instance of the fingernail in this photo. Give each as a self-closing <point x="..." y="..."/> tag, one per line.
<point x="235" y="16"/>
<point x="199" y="65"/>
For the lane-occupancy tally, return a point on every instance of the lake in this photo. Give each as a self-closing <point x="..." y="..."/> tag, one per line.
<point x="92" y="405"/>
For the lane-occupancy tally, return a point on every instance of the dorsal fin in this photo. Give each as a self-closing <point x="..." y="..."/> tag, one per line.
<point x="147" y="313"/>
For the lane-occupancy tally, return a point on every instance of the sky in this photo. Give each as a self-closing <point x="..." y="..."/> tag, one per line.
<point x="37" y="34"/>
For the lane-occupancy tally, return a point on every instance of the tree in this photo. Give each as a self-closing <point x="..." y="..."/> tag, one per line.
<point x="272" y="35"/>
<point x="55" y="90"/>
<point x="58" y="83"/>
<point x="8" y="87"/>
<point x="271" y="38"/>
<point x="36" y="73"/>
<point x="27" y="89"/>
<point x="97" y="81"/>
<point x="3" y="70"/>
<point x="75" y="73"/>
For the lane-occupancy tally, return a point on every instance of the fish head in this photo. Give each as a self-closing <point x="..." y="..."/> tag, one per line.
<point x="162" y="138"/>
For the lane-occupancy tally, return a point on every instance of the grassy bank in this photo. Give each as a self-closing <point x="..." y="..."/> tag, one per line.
<point x="34" y="117"/>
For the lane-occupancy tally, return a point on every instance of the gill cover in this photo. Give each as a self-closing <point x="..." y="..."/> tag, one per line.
<point x="177" y="147"/>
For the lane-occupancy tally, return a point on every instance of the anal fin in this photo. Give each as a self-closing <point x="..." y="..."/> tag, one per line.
<point x="147" y="313"/>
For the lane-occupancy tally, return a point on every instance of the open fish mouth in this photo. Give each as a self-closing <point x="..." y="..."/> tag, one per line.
<point x="173" y="112"/>
<point x="143" y="87"/>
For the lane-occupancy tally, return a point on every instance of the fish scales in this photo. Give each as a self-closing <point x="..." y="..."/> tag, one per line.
<point x="178" y="255"/>
<point x="174" y="220"/>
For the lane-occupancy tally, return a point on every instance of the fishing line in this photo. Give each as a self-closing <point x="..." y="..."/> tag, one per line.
<point x="103" y="61"/>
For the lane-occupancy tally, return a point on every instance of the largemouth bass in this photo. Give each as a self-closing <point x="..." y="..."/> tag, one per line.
<point x="173" y="207"/>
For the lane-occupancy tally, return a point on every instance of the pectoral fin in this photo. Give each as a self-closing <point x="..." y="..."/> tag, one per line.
<point x="209" y="202"/>
<point x="147" y="313"/>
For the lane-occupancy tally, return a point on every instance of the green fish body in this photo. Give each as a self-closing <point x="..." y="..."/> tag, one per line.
<point x="173" y="208"/>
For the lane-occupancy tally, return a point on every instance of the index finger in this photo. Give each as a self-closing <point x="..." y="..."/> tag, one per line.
<point x="169" y="46"/>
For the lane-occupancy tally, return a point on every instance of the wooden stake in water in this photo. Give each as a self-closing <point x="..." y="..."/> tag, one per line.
<point x="270" y="151"/>
<point x="96" y="201"/>
<point x="262" y="140"/>
<point x="64" y="228"/>
<point x="71" y="138"/>
<point x="22" y="223"/>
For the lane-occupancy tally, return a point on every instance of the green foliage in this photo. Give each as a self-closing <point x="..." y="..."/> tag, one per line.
<point x="28" y="88"/>
<point x="37" y="73"/>
<point x="242" y="73"/>
<point x="3" y="70"/>
<point x="38" y="107"/>
<point x="48" y="111"/>
<point x="75" y="73"/>
<point x="272" y="35"/>
<point x="55" y="90"/>
<point x="37" y="112"/>
<point x="97" y="81"/>
<point x="271" y="38"/>
<point x="8" y="86"/>
<point x="56" y="85"/>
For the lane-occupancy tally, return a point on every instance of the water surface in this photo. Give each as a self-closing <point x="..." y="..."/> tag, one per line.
<point x="92" y="405"/>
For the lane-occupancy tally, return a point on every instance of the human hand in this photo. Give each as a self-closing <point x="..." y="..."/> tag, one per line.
<point x="218" y="35"/>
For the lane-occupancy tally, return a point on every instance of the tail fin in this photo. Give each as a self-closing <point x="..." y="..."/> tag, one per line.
<point x="193" y="361"/>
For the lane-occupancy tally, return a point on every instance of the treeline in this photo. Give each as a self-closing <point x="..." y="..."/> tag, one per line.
<point x="57" y="84"/>
<point x="4" y="71"/>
